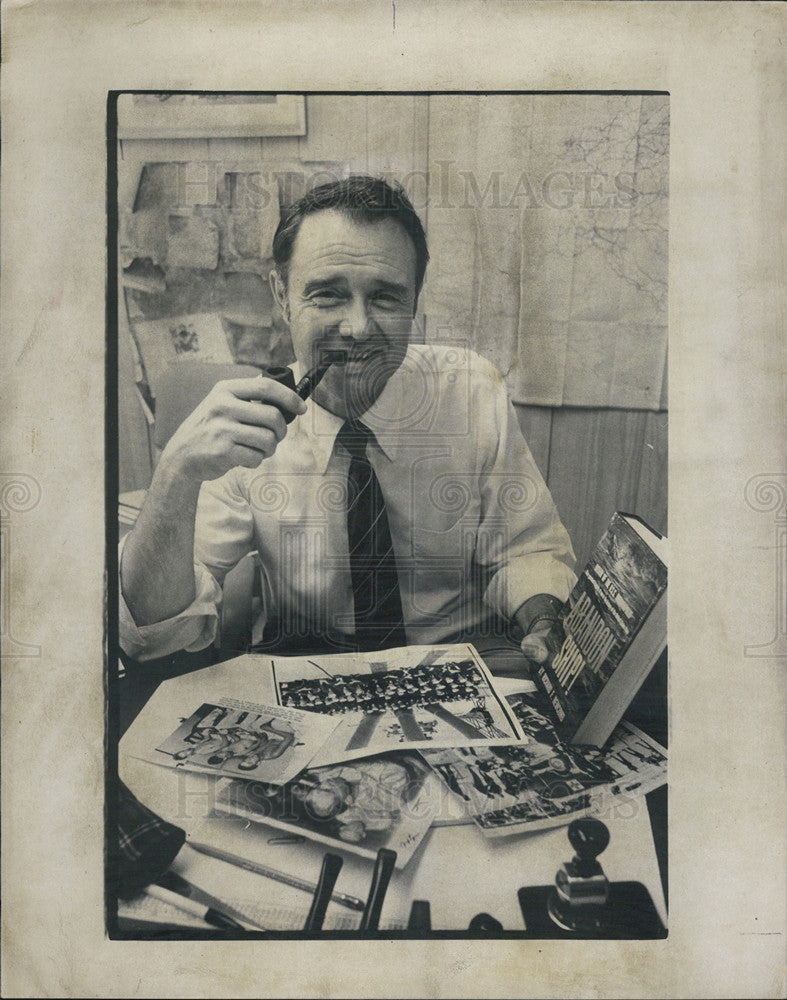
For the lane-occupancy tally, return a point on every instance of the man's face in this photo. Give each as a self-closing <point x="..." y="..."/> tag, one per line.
<point x="350" y="286"/>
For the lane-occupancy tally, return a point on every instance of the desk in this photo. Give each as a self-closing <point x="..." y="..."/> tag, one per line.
<point x="459" y="871"/>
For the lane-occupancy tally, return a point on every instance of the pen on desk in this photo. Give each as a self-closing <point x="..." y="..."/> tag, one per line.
<point x="206" y="913"/>
<point x="177" y="883"/>
<point x="272" y="873"/>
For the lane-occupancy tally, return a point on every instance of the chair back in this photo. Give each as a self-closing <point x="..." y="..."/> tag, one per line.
<point x="182" y="388"/>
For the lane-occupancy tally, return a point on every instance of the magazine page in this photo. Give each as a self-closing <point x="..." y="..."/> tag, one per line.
<point x="545" y="782"/>
<point x="617" y="591"/>
<point x="385" y="801"/>
<point x="233" y="738"/>
<point x="407" y="698"/>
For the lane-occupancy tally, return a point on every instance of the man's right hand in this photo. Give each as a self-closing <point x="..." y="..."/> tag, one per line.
<point x="534" y="645"/>
<point x="239" y="423"/>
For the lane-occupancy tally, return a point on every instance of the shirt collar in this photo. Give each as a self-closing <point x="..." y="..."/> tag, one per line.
<point x="382" y="418"/>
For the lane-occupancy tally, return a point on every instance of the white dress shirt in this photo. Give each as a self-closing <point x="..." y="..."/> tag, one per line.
<point x="473" y="525"/>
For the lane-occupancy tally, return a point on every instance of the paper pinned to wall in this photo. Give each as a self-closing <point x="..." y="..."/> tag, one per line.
<point x="179" y="340"/>
<point x="548" y="236"/>
<point x="192" y="241"/>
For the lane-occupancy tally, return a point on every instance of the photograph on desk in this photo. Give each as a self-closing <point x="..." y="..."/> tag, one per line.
<point x="545" y="782"/>
<point x="236" y="738"/>
<point x="414" y="696"/>
<point x="384" y="801"/>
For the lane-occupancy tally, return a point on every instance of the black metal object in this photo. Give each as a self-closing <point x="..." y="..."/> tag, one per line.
<point x="331" y="866"/>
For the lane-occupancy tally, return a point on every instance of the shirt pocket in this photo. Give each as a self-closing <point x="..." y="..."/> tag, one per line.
<point x="442" y="571"/>
<point x="446" y="551"/>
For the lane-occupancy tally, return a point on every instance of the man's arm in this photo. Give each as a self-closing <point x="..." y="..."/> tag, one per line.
<point x="239" y="423"/>
<point x="524" y="541"/>
<point x="157" y="567"/>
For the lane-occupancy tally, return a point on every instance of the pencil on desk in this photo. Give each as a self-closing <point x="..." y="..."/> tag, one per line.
<point x="272" y="873"/>
<point x="209" y="914"/>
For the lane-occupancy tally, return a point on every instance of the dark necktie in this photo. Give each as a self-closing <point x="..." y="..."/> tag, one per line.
<point x="379" y="622"/>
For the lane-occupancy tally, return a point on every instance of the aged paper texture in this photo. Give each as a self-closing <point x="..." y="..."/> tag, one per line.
<point x="722" y="65"/>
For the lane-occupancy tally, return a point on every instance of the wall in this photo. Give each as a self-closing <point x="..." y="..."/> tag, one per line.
<point x="596" y="461"/>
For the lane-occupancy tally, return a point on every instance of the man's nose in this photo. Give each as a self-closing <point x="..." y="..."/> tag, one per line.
<point x="357" y="322"/>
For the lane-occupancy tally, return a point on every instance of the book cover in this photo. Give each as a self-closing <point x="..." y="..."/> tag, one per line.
<point x="611" y="632"/>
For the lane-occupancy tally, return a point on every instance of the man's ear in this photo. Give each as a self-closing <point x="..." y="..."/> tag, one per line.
<point x="279" y="290"/>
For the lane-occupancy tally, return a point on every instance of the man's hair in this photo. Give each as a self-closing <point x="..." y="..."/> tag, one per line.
<point x="363" y="199"/>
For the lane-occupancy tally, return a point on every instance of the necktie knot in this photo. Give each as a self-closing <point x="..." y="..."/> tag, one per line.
<point x="355" y="437"/>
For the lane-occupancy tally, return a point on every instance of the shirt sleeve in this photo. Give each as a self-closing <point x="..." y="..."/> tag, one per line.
<point x="521" y="540"/>
<point x="224" y="529"/>
<point x="223" y="535"/>
<point x="193" y="629"/>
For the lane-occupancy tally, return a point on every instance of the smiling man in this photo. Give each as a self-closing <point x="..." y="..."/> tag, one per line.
<point x="353" y="284"/>
<point x="402" y="505"/>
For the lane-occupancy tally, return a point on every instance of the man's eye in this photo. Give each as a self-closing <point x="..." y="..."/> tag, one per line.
<point x="326" y="297"/>
<point x="387" y="301"/>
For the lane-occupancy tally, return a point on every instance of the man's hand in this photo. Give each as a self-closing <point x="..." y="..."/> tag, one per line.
<point x="239" y="423"/>
<point x="536" y="617"/>
<point x="534" y="645"/>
